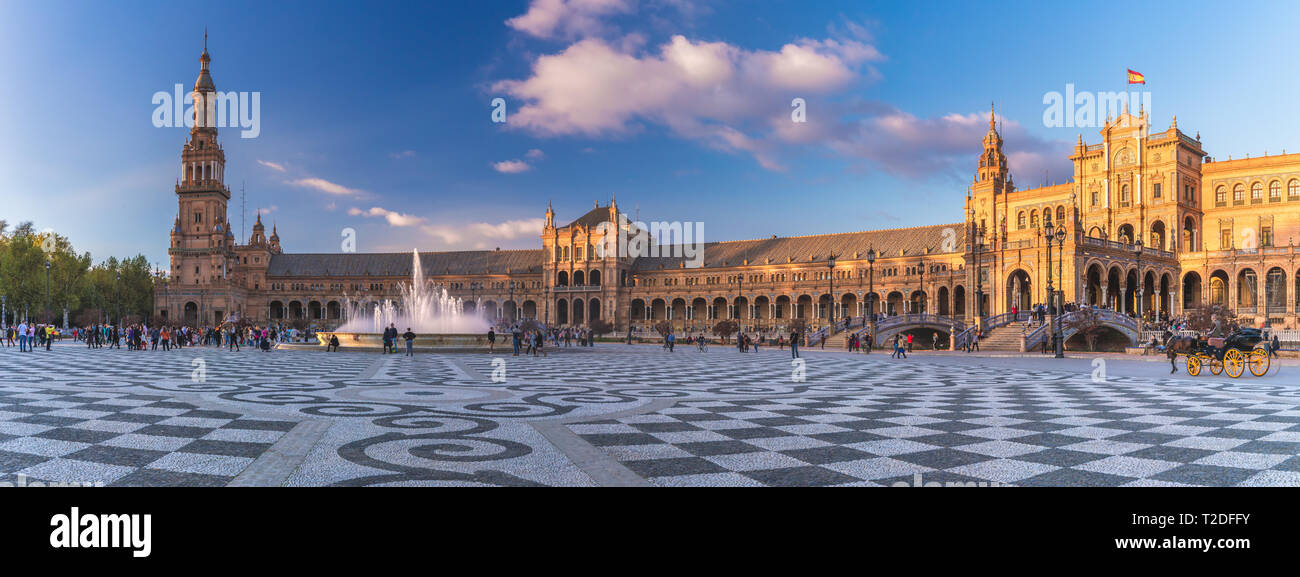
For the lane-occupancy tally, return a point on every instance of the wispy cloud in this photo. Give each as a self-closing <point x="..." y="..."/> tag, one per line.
<point x="567" y="18"/>
<point x="483" y="234"/>
<point x="393" y="217"/>
<point x="511" y="166"/>
<point x="272" y="165"/>
<point x="535" y="154"/>
<point x="402" y="154"/>
<point x="325" y="186"/>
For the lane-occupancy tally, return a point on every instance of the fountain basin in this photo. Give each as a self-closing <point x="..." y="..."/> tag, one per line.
<point x="423" y="342"/>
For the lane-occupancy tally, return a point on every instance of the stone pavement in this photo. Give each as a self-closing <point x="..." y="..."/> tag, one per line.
<point x="634" y="415"/>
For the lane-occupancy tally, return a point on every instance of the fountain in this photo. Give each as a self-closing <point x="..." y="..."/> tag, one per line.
<point x="438" y="319"/>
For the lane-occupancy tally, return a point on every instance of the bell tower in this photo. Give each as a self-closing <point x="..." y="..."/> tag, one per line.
<point x="201" y="240"/>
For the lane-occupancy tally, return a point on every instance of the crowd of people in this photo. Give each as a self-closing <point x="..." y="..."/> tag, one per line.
<point x="142" y="336"/>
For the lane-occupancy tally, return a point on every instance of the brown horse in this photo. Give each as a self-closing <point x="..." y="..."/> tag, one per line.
<point x="1176" y="346"/>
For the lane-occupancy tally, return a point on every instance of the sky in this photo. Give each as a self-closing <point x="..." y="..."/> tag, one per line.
<point x="379" y="116"/>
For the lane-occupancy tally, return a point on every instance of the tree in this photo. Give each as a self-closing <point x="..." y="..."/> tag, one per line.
<point x="663" y="328"/>
<point x="724" y="329"/>
<point x="1203" y="319"/>
<point x="1087" y="322"/>
<point x="600" y="327"/>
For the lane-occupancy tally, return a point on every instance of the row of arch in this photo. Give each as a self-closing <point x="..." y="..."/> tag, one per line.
<point x="1157" y="235"/>
<point x="945" y="301"/>
<point x="580" y="278"/>
<point x="576" y="311"/>
<point x="1246" y="286"/>
<point x="333" y="310"/>
<point x="1257" y="191"/>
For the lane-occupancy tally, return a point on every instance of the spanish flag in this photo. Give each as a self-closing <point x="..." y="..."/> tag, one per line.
<point x="1136" y="77"/>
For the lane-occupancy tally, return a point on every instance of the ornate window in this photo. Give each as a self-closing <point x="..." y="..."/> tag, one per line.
<point x="1238" y="193"/>
<point x="1020" y="220"/>
<point x="1256" y="192"/>
<point x="1220" y="196"/>
<point x="1293" y="189"/>
<point x="1274" y="191"/>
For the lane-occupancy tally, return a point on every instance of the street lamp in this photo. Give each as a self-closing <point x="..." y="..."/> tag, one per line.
<point x="47" y="292"/>
<point x="117" y="287"/>
<point x="979" y="275"/>
<point x="871" y="290"/>
<point x="1137" y="251"/>
<point x="830" y="306"/>
<point x="1059" y="345"/>
<point x="920" y="271"/>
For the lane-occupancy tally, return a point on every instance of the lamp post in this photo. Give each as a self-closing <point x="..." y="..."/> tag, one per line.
<point x="920" y="271"/>
<point x="117" y="288"/>
<point x="1137" y="251"/>
<point x="47" y="292"/>
<point x="513" y="306"/>
<point x="1059" y="345"/>
<point x="871" y="290"/>
<point x="979" y="276"/>
<point x="1049" y="233"/>
<point x="740" y="291"/>
<point x="830" y="306"/>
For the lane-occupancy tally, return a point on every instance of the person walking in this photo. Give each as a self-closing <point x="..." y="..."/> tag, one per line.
<point x="22" y="336"/>
<point x="515" y="337"/>
<point x="794" y="344"/>
<point x="492" y="340"/>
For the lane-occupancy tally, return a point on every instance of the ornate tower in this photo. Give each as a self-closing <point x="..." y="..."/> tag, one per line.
<point x="202" y="244"/>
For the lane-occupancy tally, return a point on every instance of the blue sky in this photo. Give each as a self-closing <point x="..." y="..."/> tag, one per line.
<point x="376" y="116"/>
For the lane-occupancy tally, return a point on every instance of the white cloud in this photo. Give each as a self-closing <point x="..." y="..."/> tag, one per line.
<point x="325" y="186"/>
<point x="567" y="18"/>
<point x="511" y="166"/>
<point x="535" y="154"/>
<point x="272" y="165"/>
<point x="701" y="90"/>
<point x="394" y="218"/>
<point x="402" y="154"/>
<point x="483" y="234"/>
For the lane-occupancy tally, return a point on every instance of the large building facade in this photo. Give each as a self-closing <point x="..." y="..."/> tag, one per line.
<point x="1149" y="224"/>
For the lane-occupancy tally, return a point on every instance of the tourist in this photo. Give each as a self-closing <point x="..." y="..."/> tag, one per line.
<point x="670" y="340"/>
<point x="492" y="340"/>
<point x="538" y="338"/>
<point x="515" y="337"/>
<point x="334" y="344"/>
<point x="794" y="344"/>
<point x="22" y="336"/>
<point x="409" y="337"/>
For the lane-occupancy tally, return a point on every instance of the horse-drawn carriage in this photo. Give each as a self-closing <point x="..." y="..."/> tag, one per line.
<point x="1243" y="349"/>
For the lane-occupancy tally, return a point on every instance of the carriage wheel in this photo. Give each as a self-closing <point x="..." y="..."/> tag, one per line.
<point x="1216" y="365"/>
<point x="1193" y="365"/>
<point x="1234" y="363"/>
<point x="1258" y="361"/>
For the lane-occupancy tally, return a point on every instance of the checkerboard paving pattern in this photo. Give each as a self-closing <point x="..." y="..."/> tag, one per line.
<point x="118" y="438"/>
<point x="1043" y="434"/>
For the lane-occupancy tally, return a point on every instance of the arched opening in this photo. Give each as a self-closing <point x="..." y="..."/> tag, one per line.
<point x="917" y="303"/>
<point x="333" y="310"/>
<point x="1275" y="292"/>
<point x="802" y="307"/>
<point x="593" y="309"/>
<point x="578" y="310"/>
<point x="1112" y="295"/>
<point x="848" y="306"/>
<point x="944" y="309"/>
<point x="562" y="278"/>
<point x="740" y="308"/>
<point x="699" y="311"/>
<point x="192" y="314"/>
<point x="578" y="278"/>
<point x="782" y="310"/>
<point x="719" y="308"/>
<point x="1158" y="237"/>
<point x="562" y="312"/>
<point x="959" y="301"/>
<point x="679" y="311"/>
<point x="1125" y="234"/>
<point x="1219" y="288"/>
<point x="314" y="310"/>
<point x="295" y="310"/>
<point x="637" y="310"/>
<point x="277" y="310"/>
<point x="1020" y="294"/>
<point x="894" y="303"/>
<point x="1092" y="285"/>
<point x="530" y="310"/>
<point x="509" y="309"/>
<point x="1247" y="291"/>
<point x="823" y="306"/>
<point x="490" y="310"/>
<point x="1191" y="291"/>
<point x="1189" y="235"/>
<point x="658" y="310"/>
<point x="594" y="278"/>
<point x="468" y="307"/>
<point x="762" y="306"/>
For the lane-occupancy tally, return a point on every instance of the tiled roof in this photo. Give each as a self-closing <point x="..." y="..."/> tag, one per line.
<point x="593" y="217"/>
<point x="890" y="243"/>
<point x="399" y="263"/>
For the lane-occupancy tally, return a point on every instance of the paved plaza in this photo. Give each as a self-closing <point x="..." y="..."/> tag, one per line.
<point x="635" y="415"/>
